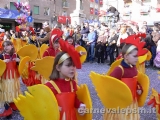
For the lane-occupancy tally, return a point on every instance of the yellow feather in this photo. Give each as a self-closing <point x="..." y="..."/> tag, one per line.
<point x="110" y="97"/>
<point x="44" y="66"/>
<point x="38" y="104"/>
<point x="84" y="96"/>
<point x="28" y="50"/>
<point x="42" y="49"/>
<point x="3" y="67"/>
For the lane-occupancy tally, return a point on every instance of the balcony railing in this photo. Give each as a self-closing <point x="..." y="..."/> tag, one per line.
<point x="65" y="4"/>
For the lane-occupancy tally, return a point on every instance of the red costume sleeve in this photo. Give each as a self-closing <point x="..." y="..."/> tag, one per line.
<point x="45" y="54"/>
<point x="77" y="102"/>
<point x="117" y="73"/>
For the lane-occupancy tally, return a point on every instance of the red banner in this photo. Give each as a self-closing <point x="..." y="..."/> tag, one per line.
<point x="92" y="0"/>
<point x="91" y="11"/>
<point x="64" y="19"/>
<point x="101" y="2"/>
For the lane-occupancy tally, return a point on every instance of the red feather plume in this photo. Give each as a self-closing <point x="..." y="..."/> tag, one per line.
<point x="65" y="47"/>
<point x="135" y="40"/>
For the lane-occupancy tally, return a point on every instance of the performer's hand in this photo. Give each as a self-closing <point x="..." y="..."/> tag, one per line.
<point x="82" y="109"/>
<point x="6" y="60"/>
<point x="16" y="59"/>
<point x="60" y="108"/>
<point x="82" y="53"/>
<point x="139" y="92"/>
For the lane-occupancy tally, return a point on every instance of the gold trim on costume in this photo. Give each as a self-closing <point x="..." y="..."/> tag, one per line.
<point x="132" y="47"/>
<point x="63" y="58"/>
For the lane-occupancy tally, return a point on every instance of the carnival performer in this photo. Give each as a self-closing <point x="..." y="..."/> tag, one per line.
<point x="62" y="81"/>
<point x="127" y="73"/>
<point x="70" y="40"/>
<point x="54" y="47"/>
<point x="10" y="84"/>
<point x="124" y="75"/>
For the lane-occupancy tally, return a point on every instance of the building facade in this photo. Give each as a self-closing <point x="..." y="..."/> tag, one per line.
<point x="54" y="11"/>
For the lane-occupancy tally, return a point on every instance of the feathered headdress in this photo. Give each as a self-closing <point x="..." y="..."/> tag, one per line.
<point x="70" y="50"/>
<point x="135" y="40"/>
<point x="56" y="34"/>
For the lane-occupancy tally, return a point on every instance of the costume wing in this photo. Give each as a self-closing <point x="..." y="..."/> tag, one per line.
<point x="114" y="65"/>
<point x="28" y="50"/>
<point x="112" y="92"/>
<point x="144" y="82"/>
<point x="149" y="55"/>
<point x="18" y="43"/>
<point x="42" y="49"/>
<point x="142" y="59"/>
<point x="82" y="49"/>
<point x="44" y="66"/>
<point x="84" y="96"/>
<point x="3" y="67"/>
<point x="23" y="66"/>
<point x="38" y="104"/>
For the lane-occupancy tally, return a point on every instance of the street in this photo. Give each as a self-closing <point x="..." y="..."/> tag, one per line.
<point x="83" y="78"/>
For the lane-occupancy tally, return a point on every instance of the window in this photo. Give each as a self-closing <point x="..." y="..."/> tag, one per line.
<point x="46" y="11"/>
<point x="64" y="13"/>
<point x="91" y="5"/>
<point x="12" y="7"/>
<point x="36" y="10"/>
<point x="96" y="6"/>
<point x="81" y="5"/>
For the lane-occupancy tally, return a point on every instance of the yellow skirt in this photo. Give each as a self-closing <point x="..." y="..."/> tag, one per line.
<point x="9" y="89"/>
<point x="129" y="113"/>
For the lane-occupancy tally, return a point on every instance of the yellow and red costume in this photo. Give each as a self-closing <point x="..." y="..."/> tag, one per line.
<point x="57" y="92"/>
<point x="143" y="53"/>
<point x="10" y="83"/>
<point x="65" y="91"/>
<point x="126" y="79"/>
<point x="55" y="35"/>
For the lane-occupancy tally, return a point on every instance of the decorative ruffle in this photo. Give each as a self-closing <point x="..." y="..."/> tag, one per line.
<point x="11" y="71"/>
<point x="134" y="115"/>
<point x="10" y="89"/>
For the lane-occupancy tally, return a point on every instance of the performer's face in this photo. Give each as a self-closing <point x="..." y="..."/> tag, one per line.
<point x="56" y="45"/>
<point x="70" y="41"/>
<point x="7" y="47"/>
<point x="67" y="70"/>
<point x="132" y="57"/>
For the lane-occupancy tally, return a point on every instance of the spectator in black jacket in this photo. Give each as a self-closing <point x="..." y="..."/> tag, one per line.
<point x="84" y="33"/>
<point x="111" y="45"/>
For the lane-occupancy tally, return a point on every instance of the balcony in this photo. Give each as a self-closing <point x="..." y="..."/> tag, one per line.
<point x="65" y="4"/>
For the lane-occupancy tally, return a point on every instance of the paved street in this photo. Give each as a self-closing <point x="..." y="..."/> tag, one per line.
<point x="83" y="77"/>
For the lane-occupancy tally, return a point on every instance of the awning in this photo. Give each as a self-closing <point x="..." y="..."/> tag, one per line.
<point x="9" y="14"/>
